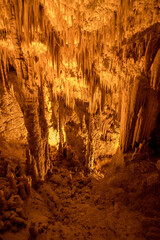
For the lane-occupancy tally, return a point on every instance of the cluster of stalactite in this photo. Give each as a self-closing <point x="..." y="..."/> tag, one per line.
<point x="70" y="43"/>
<point x="29" y="22"/>
<point x="67" y="43"/>
<point x="140" y="98"/>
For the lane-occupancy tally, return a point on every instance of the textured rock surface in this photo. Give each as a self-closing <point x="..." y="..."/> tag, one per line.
<point x="83" y="77"/>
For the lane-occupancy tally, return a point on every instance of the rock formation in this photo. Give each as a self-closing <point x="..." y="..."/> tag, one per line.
<point x="79" y="88"/>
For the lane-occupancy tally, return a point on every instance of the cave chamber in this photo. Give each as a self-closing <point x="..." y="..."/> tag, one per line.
<point x="79" y="119"/>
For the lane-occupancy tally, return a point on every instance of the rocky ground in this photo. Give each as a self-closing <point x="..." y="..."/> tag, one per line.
<point x="117" y="203"/>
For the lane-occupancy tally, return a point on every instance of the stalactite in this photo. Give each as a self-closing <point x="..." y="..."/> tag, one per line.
<point x="125" y="8"/>
<point x="5" y="64"/>
<point x="17" y="13"/>
<point x="3" y="75"/>
<point x="137" y="130"/>
<point x="150" y="114"/>
<point x="41" y="17"/>
<point x="4" y="68"/>
<point x="52" y="48"/>
<point x="53" y="101"/>
<point x="25" y="20"/>
<point x="58" y="61"/>
<point x="90" y="147"/>
<point x="113" y="24"/>
<point x="60" y="125"/>
<point x="155" y="72"/>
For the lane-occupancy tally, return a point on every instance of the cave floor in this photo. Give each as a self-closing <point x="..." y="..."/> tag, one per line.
<point x="73" y="207"/>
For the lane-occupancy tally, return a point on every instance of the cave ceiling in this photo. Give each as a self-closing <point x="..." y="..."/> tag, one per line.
<point x="85" y="51"/>
<point x="72" y="41"/>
